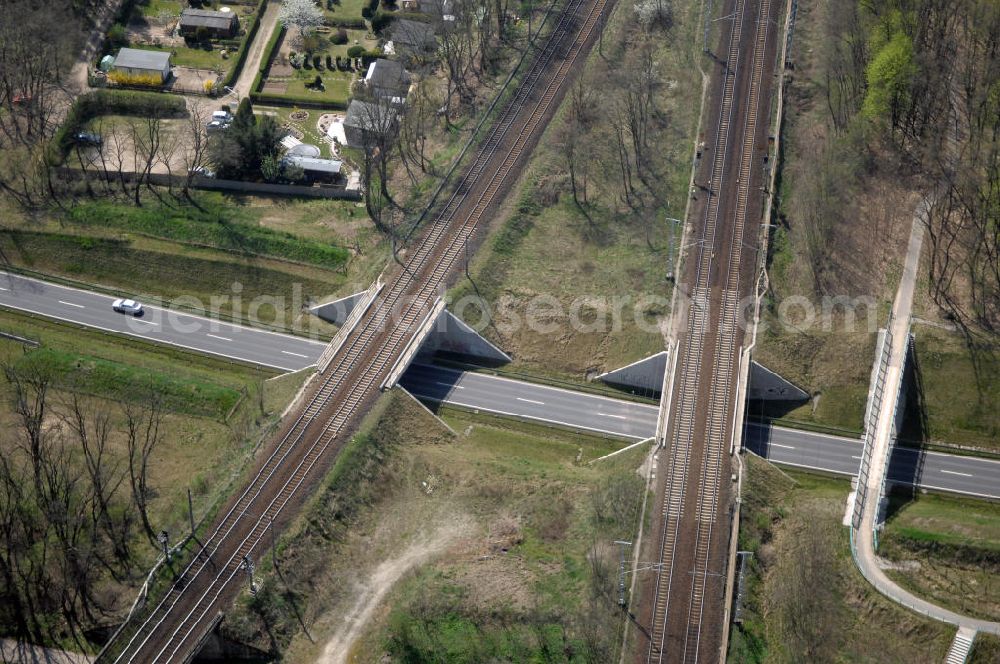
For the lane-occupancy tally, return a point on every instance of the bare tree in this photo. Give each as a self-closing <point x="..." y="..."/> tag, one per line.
<point x="380" y="129"/>
<point x="143" y="423"/>
<point x="33" y="94"/>
<point x="196" y="149"/>
<point x="146" y="147"/>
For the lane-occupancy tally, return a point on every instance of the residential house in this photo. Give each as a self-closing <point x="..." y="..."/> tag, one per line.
<point x="365" y="121"/>
<point x="221" y="25"/>
<point x="441" y="10"/>
<point x="387" y="79"/>
<point x="412" y="38"/>
<point x="139" y="62"/>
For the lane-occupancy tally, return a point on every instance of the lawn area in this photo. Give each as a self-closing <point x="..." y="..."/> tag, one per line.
<point x="207" y="57"/>
<point x="948" y="550"/>
<point x="594" y="274"/>
<point x="336" y="86"/>
<point x="297" y="82"/>
<point x="804" y="594"/>
<point x="479" y="541"/>
<point x="153" y="8"/>
<point x="215" y="224"/>
<point x="311" y="132"/>
<point x="169" y="127"/>
<point x="342" y="8"/>
<point x="833" y="366"/>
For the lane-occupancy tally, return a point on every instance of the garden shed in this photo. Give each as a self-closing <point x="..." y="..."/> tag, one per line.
<point x="222" y="24"/>
<point x="138" y="62"/>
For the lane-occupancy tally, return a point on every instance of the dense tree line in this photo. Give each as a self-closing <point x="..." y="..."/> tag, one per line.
<point x="923" y="77"/>
<point x="74" y="497"/>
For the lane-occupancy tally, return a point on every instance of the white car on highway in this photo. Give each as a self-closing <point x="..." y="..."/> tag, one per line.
<point x="124" y="306"/>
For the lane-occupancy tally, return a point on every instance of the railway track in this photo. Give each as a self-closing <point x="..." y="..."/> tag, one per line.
<point x="703" y="400"/>
<point x="179" y="620"/>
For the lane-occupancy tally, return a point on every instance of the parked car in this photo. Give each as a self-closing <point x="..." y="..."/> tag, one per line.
<point x="203" y="172"/>
<point x="222" y="116"/>
<point x="217" y="125"/>
<point x="88" y="138"/>
<point x="124" y="306"/>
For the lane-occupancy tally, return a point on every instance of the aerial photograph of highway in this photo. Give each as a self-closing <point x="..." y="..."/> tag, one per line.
<point x="493" y="331"/>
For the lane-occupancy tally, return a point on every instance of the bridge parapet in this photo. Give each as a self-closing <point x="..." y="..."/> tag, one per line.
<point x="360" y="304"/>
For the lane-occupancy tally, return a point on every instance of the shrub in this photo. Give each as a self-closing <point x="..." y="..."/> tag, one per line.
<point x="317" y="62"/>
<point x="140" y="80"/>
<point x="381" y="21"/>
<point x="356" y="51"/>
<point x="339" y="38"/>
<point x="318" y="83"/>
<point x="312" y="43"/>
<point x="306" y="63"/>
<point x="369" y="9"/>
<point x="117" y="37"/>
<point x="329" y="61"/>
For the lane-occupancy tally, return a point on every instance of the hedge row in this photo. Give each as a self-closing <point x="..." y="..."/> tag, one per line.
<point x="270" y="50"/>
<point x="241" y="55"/>
<point x="352" y="23"/>
<point x="114" y="102"/>
<point x="289" y="100"/>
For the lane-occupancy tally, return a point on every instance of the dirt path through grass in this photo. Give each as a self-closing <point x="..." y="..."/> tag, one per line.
<point x="376" y="586"/>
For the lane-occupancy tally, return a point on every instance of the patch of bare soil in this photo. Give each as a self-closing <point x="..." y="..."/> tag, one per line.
<point x="373" y="589"/>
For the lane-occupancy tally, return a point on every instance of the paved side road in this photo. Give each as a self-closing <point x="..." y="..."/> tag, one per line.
<point x="277" y="351"/>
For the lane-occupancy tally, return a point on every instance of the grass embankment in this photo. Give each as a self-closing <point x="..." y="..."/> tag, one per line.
<point x="843" y="213"/>
<point x="948" y="549"/>
<point x="233" y="249"/>
<point x="959" y="381"/>
<point x="601" y="251"/>
<point x="492" y="545"/>
<point x="805" y="599"/>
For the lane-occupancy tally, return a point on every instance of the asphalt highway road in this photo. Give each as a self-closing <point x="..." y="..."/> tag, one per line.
<point x="792" y="447"/>
<point x="167" y="326"/>
<point x="486" y="393"/>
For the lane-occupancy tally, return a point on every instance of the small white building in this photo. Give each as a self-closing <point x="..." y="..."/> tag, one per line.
<point x="139" y="62"/>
